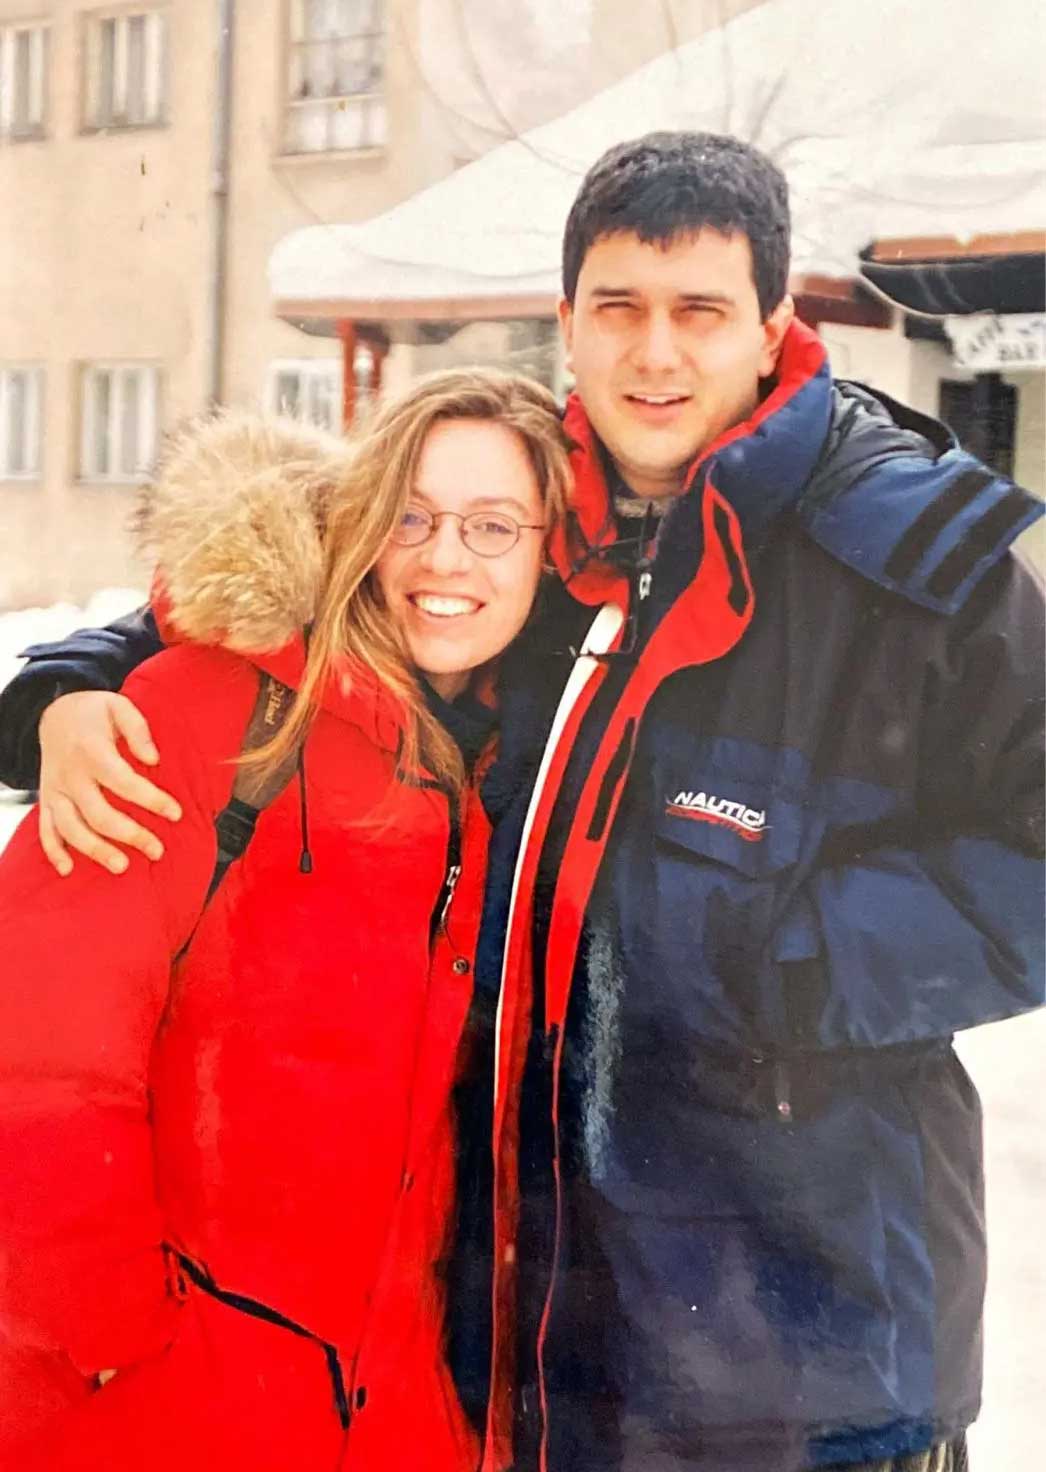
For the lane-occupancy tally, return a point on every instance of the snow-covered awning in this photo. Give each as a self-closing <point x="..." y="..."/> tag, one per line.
<point x="889" y="119"/>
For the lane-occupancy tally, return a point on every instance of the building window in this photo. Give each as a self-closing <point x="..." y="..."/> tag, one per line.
<point x="335" y="82"/>
<point x="23" y="81"/>
<point x="118" y="421"/>
<point x="21" y="398"/>
<point x="307" y="388"/>
<point x="126" y="79"/>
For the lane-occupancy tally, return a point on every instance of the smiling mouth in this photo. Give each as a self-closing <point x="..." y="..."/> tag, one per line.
<point x="658" y="401"/>
<point x="439" y="605"/>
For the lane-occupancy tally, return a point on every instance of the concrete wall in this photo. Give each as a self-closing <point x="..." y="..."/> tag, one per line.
<point x="102" y="255"/>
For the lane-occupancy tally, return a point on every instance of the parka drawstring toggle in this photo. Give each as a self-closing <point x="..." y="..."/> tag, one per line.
<point x="305" y="858"/>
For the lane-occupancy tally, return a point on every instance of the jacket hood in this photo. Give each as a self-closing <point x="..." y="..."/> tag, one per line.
<point x="235" y="521"/>
<point x="867" y="428"/>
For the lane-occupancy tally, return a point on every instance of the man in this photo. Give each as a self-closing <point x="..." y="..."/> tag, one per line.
<point x="767" y="833"/>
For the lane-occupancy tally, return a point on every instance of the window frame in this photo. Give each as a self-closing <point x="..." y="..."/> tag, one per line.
<point x="147" y="421"/>
<point x="32" y="437"/>
<point x="370" y="105"/>
<point x="39" y="99"/>
<point x="308" y="370"/>
<point x="155" y="69"/>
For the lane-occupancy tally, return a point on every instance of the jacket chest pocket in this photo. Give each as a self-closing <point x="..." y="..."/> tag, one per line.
<point x="753" y="832"/>
<point x="724" y="858"/>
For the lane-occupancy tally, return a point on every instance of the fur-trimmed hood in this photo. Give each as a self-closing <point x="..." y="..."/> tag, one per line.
<point x="234" y="521"/>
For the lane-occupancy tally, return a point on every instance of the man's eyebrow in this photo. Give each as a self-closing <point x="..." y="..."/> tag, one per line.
<point x="618" y="293"/>
<point x="715" y="298"/>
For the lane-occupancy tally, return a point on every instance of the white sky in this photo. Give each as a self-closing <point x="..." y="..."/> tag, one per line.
<point x="889" y="119"/>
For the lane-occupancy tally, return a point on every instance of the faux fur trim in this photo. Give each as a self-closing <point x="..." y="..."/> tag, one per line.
<point x="235" y="519"/>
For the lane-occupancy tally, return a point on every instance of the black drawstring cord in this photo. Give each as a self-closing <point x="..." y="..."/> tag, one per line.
<point x="597" y="548"/>
<point x="305" y="858"/>
<point x="636" y="562"/>
<point x="625" y="552"/>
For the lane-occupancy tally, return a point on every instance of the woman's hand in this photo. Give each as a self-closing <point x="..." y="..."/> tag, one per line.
<point x="79" y="757"/>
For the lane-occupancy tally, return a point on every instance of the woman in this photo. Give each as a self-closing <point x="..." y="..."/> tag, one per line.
<point x="225" y="1134"/>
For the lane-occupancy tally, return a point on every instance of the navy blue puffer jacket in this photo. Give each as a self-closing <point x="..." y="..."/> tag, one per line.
<point x="784" y="840"/>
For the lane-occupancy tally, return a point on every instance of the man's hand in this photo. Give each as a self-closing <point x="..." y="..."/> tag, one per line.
<point x="78" y="758"/>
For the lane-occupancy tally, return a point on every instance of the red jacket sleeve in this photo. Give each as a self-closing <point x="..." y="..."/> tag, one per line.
<point x="85" y="963"/>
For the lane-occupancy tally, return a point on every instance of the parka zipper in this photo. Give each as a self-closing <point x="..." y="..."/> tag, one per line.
<point x="441" y="909"/>
<point x="356" y="1395"/>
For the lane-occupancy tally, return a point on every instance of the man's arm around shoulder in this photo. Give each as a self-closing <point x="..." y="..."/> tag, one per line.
<point x="90" y="659"/>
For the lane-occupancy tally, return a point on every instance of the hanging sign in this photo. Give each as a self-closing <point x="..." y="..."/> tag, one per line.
<point x="987" y="343"/>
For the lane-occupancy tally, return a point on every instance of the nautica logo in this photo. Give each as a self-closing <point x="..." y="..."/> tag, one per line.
<point x="750" y="823"/>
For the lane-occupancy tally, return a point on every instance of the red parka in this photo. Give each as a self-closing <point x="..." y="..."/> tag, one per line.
<point x="230" y="1178"/>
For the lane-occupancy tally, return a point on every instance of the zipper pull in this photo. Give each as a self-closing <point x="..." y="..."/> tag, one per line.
<point x="646" y="577"/>
<point x="783" y="1090"/>
<point x="450" y="883"/>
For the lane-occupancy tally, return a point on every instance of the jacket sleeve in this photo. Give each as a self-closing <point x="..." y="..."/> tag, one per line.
<point x="90" y="659"/>
<point x="83" y="985"/>
<point x="935" y="923"/>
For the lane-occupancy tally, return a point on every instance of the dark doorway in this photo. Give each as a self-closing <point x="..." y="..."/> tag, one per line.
<point x="983" y="414"/>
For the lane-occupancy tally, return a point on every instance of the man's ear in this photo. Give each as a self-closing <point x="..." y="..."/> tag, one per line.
<point x="566" y="330"/>
<point x="774" y="329"/>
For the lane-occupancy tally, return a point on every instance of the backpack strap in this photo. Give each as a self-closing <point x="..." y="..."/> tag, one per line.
<point x="254" y="789"/>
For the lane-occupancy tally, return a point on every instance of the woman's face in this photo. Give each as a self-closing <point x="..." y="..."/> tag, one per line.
<point x="459" y="610"/>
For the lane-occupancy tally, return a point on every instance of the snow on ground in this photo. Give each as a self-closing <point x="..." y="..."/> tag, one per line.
<point x="39" y="626"/>
<point x="1006" y="1062"/>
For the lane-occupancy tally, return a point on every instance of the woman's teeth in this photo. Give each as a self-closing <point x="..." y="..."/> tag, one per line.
<point x="443" y="607"/>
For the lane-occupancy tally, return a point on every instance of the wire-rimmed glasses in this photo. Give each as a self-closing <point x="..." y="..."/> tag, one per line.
<point x="487" y="533"/>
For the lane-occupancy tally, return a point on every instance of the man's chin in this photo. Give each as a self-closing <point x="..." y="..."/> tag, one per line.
<point x="656" y="457"/>
<point x="655" y="478"/>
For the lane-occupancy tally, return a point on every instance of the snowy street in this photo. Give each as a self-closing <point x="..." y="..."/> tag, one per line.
<point x="1006" y="1062"/>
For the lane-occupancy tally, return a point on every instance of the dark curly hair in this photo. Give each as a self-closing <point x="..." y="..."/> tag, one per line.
<point x="667" y="185"/>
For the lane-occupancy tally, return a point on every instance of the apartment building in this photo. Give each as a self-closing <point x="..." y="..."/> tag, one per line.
<point x="133" y="279"/>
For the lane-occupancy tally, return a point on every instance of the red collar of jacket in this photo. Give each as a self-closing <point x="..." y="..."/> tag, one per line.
<point x="591" y="524"/>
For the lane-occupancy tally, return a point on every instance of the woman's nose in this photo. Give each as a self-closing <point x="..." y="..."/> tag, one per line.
<point x="445" y="552"/>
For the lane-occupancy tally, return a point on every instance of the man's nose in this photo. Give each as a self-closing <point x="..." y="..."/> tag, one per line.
<point x="658" y="349"/>
<point x="445" y="553"/>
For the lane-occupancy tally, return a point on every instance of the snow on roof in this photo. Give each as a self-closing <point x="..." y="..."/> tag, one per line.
<point x="889" y="119"/>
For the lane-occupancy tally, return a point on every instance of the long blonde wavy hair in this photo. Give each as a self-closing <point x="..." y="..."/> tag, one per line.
<point x="353" y="626"/>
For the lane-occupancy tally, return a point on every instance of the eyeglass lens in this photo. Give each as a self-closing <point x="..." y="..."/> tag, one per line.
<point x="484" y="532"/>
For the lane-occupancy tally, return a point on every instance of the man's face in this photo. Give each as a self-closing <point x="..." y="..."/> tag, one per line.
<point x="668" y="348"/>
